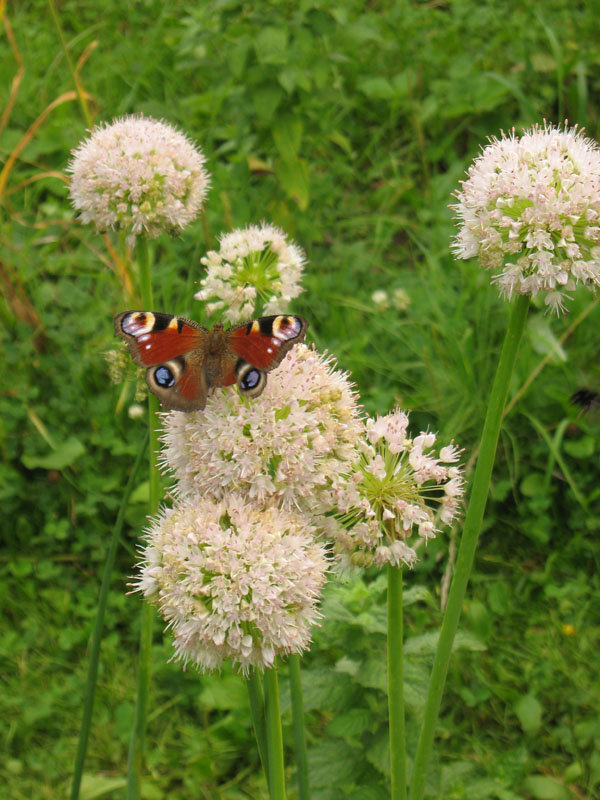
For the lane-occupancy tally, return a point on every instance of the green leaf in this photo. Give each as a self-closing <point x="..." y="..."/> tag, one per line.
<point x="225" y="692"/>
<point x="580" y="448"/>
<point x="479" y="620"/>
<point x="141" y="493"/>
<point x="533" y="484"/>
<point x="352" y="723"/>
<point x="416" y="594"/>
<point x="287" y="134"/>
<point x="94" y="786"/>
<point x="377" y="88"/>
<point x="271" y="46"/>
<point x="293" y="177"/>
<point x="426" y="643"/>
<point x="529" y="712"/>
<point x="541" y="787"/>
<point x="62" y="456"/>
<point x="379" y="755"/>
<point x="543" y="339"/>
<point x="265" y="101"/>
<point x="333" y="763"/>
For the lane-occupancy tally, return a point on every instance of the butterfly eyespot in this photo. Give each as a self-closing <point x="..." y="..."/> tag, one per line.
<point x="250" y="380"/>
<point x="164" y="377"/>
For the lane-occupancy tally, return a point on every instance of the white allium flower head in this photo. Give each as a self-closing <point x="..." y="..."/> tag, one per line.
<point x="530" y="211"/>
<point x="254" y="271"/>
<point x="288" y="446"/>
<point x="233" y="582"/>
<point x="138" y="175"/>
<point x="400" y="488"/>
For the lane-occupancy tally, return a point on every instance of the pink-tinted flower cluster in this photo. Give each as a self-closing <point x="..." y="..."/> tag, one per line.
<point x="530" y="211"/>
<point x="399" y="488"/>
<point x="289" y="446"/>
<point x="138" y="175"/>
<point x="233" y="581"/>
<point x="237" y="566"/>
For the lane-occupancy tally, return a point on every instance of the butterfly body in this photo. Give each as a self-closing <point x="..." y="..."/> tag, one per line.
<point x="184" y="360"/>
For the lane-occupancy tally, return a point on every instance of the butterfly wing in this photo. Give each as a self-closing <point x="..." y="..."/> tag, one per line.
<point x="257" y="347"/>
<point x="172" y="350"/>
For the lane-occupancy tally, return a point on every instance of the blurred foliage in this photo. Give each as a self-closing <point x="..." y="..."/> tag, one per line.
<point x="350" y="126"/>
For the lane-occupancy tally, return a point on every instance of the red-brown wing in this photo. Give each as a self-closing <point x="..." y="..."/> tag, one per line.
<point x="153" y="337"/>
<point x="265" y="341"/>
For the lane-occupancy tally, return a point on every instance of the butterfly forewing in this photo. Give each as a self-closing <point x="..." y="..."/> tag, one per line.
<point x="154" y="337"/>
<point x="265" y="341"/>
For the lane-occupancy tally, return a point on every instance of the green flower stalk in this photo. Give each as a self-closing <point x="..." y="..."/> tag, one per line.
<point x="530" y="211"/>
<point x="399" y="487"/>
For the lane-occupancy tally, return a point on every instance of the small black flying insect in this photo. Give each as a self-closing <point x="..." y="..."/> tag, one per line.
<point x="587" y="399"/>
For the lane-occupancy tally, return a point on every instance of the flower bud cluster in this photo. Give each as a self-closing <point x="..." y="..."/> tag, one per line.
<point x="254" y="271"/>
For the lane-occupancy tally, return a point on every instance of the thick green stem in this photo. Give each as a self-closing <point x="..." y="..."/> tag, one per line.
<point x="138" y="734"/>
<point x="396" y="684"/>
<point x="298" y="723"/>
<point x="92" y="676"/>
<point x="466" y="553"/>
<point x="274" y="737"/>
<point x="257" y="709"/>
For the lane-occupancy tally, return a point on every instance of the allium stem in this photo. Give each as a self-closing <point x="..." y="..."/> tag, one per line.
<point x="257" y="709"/>
<point x="92" y="676"/>
<point x="466" y="553"/>
<point x="274" y="736"/>
<point x="396" y="684"/>
<point x="298" y="723"/>
<point x="138" y="734"/>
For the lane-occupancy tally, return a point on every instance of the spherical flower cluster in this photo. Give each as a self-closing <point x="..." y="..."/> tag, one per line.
<point x="255" y="271"/>
<point x="530" y="211"/>
<point x="233" y="582"/>
<point x="138" y="175"/>
<point x="393" y="492"/>
<point x="289" y="446"/>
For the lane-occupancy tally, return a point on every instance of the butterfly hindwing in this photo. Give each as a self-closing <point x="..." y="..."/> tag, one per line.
<point x="172" y="350"/>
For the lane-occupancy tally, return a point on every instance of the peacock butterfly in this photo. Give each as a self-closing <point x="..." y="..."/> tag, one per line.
<point x="184" y="361"/>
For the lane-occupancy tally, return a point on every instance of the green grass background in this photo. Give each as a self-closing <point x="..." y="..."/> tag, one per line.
<point x="349" y="125"/>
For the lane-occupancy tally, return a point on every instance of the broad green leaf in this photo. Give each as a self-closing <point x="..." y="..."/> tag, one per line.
<point x="529" y="712"/>
<point x="333" y="763"/>
<point x="541" y="787"/>
<point x="293" y="177"/>
<point x="95" y="786"/>
<point x="62" y="456"/>
<point x="377" y="88"/>
<point x="287" y="134"/>
<point x="533" y="484"/>
<point x="141" y="493"/>
<point x="352" y="723"/>
<point x="379" y="754"/>
<point x="265" y="101"/>
<point x="426" y="643"/>
<point x="543" y="340"/>
<point x="580" y="448"/>
<point x="271" y="45"/>
<point x="225" y="692"/>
